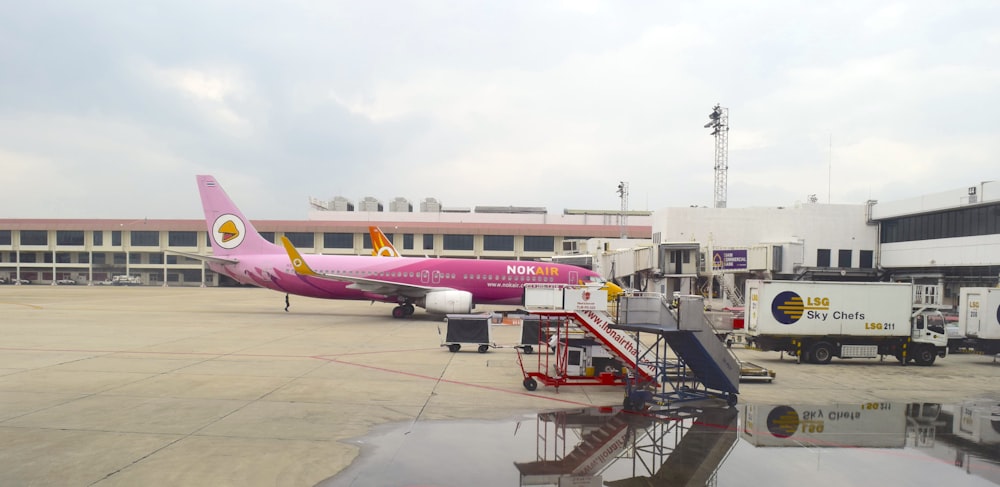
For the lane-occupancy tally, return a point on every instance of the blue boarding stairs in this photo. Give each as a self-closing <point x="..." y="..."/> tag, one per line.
<point x="689" y="360"/>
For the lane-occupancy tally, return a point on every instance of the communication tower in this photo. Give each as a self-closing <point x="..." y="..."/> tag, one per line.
<point x="719" y="123"/>
<point x="623" y="219"/>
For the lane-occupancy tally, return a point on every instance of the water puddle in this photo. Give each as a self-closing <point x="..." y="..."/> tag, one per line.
<point x="879" y="443"/>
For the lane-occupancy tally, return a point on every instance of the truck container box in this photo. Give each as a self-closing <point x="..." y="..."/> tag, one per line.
<point x="802" y="308"/>
<point x="979" y="309"/>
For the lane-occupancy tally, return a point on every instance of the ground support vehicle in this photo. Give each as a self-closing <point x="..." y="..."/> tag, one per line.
<point x="817" y="321"/>
<point x="751" y="372"/>
<point x="577" y="345"/>
<point x="568" y="358"/>
<point x="979" y="318"/>
<point x="690" y="363"/>
<point x="469" y="329"/>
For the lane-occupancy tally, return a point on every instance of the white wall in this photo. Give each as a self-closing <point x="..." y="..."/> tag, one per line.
<point x="988" y="191"/>
<point x="815" y="226"/>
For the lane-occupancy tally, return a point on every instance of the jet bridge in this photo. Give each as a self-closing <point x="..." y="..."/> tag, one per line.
<point x="701" y="365"/>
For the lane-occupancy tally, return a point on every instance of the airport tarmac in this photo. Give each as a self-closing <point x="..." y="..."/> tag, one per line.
<point x="107" y="386"/>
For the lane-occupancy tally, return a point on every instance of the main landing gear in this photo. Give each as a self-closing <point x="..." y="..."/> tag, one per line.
<point x="402" y="311"/>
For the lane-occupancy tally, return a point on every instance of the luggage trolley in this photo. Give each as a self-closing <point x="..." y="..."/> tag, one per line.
<point x="471" y="329"/>
<point x="567" y="357"/>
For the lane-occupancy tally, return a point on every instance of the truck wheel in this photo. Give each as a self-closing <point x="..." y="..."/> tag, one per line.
<point x="821" y="353"/>
<point x="484" y="348"/>
<point x="924" y="355"/>
<point x="454" y="347"/>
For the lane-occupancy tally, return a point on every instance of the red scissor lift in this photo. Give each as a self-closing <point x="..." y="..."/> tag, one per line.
<point x="560" y="365"/>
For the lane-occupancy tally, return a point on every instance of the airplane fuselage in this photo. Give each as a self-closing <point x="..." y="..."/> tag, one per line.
<point x="489" y="282"/>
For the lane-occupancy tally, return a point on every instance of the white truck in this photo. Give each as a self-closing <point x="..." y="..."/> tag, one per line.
<point x="817" y="321"/>
<point x="979" y="318"/>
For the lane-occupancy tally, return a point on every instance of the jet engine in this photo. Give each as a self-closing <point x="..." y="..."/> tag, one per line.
<point x="447" y="301"/>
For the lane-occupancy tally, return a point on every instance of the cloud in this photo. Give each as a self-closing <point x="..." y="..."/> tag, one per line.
<point x="527" y="104"/>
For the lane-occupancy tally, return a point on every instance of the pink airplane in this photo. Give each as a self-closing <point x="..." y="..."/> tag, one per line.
<point x="439" y="285"/>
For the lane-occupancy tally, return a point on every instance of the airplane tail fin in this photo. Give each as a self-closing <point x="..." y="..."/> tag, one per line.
<point x="381" y="244"/>
<point x="230" y="232"/>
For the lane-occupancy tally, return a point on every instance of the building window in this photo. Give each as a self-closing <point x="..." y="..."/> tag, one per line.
<point x="69" y="237"/>
<point x="34" y="237"/>
<point x="145" y="238"/>
<point x="100" y="258"/>
<point x="366" y="240"/>
<point x="408" y="241"/>
<point x="458" y="242"/>
<point x="822" y="257"/>
<point x="498" y="242"/>
<point x="119" y="258"/>
<point x="116" y="238"/>
<point x="304" y="240"/>
<point x="98" y="237"/>
<point x="428" y="242"/>
<point x="963" y="222"/>
<point x="64" y="257"/>
<point x="866" y="259"/>
<point x="156" y="258"/>
<point x="83" y="258"/>
<point x="5" y="237"/>
<point x="338" y="240"/>
<point x="539" y="244"/>
<point x="269" y="236"/>
<point x="135" y="258"/>
<point x="182" y="239"/>
<point x="844" y="258"/>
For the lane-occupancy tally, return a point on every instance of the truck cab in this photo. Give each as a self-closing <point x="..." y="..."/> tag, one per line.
<point x="929" y="336"/>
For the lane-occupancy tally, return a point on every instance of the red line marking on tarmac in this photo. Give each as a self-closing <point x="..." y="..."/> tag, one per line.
<point x="449" y="381"/>
<point x="324" y="358"/>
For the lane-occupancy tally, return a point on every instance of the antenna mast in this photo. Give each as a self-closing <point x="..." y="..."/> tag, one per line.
<point x="719" y="123"/>
<point x="623" y="219"/>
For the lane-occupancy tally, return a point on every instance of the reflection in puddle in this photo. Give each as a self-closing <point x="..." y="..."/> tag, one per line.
<point x="882" y="443"/>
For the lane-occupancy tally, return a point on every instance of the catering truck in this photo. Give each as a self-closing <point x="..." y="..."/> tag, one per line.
<point x="979" y="318"/>
<point x="817" y="321"/>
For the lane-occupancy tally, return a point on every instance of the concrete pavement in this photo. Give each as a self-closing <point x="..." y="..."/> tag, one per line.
<point x="110" y="386"/>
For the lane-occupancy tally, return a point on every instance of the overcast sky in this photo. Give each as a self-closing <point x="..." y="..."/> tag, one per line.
<point x="109" y="109"/>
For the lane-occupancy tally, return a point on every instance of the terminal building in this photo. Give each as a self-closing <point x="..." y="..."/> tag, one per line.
<point x="944" y="241"/>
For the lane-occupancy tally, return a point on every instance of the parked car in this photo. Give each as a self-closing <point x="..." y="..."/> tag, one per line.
<point x="65" y="282"/>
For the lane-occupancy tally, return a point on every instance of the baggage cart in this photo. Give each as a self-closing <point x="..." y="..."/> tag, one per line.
<point x="467" y="329"/>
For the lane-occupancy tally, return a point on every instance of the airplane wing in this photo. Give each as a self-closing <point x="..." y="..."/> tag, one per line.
<point x="375" y="286"/>
<point x="205" y="258"/>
